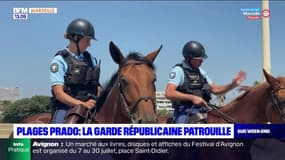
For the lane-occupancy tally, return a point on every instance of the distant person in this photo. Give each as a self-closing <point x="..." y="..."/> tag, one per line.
<point x="74" y="74"/>
<point x="189" y="87"/>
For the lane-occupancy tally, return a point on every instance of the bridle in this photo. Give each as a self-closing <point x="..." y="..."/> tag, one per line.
<point x="276" y="104"/>
<point x="130" y="109"/>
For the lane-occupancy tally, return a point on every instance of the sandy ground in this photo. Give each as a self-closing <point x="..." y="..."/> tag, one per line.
<point x="5" y="129"/>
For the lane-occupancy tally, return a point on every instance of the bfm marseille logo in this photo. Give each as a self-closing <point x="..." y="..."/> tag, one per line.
<point x="20" y="13"/>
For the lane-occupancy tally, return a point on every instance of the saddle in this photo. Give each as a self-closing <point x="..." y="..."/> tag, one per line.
<point x="76" y="115"/>
<point x="198" y="118"/>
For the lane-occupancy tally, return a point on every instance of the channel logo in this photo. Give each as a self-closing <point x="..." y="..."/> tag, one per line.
<point x="22" y="13"/>
<point x="265" y="13"/>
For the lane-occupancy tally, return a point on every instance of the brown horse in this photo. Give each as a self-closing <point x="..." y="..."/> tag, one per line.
<point x="264" y="103"/>
<point x="38" y="118"/>
<point x="129" y="97"/>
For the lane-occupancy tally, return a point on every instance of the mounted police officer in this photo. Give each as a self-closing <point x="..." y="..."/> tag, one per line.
<point x="189" y="87"/>
<point x="74" y="74"/>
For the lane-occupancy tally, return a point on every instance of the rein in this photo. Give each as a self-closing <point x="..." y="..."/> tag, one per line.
<point x="226" y="117"/>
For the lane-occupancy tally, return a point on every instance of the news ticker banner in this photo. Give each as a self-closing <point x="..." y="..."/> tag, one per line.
<point x="148" y="131"/>
<point x="107" y="149"/>
<point x="85" y="141"/>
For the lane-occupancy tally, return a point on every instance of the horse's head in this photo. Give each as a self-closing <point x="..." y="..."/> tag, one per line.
<point x="277" y="86"/>
<point x="136" y="84"/>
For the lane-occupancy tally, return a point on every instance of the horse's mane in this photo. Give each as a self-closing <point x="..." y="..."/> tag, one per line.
<point x="106" y="89"/>
<point x="256" y="88"/>
<point x="247" y="92"/>
<point x="109" y="84"/>
<point x="138" y="57"/>
<point x="249" y="89"/>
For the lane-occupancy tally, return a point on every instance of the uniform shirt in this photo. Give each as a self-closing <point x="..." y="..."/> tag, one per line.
<point x="59" y="67"/>
<point x="176" y="76"/>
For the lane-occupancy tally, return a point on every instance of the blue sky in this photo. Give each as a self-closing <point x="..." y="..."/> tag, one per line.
<point x="232" y="41"/>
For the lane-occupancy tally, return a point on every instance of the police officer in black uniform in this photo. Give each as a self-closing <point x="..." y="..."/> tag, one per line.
<point x="74" y="73"/>
<point x="189" y="87"/>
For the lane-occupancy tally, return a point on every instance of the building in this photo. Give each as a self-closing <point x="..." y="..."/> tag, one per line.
<point x="162" y="102"/>
<point x="10" y="93"/>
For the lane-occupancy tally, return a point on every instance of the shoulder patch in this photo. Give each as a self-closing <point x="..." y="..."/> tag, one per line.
<point x="172" y="75"/>
<point x="54" y="67"/>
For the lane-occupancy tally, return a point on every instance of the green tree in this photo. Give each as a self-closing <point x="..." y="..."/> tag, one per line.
<point x="4" y="103"/>
<point x="164" y="112"/>
<point x="256" y="82"/>
<point x="20" y="109"/>
<point x="2" y="106"/>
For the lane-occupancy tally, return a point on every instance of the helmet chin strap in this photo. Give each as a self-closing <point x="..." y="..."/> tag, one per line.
<point x="76" y="39"/>
<point x="78" y="50"/>
<point x="188" y="61"/>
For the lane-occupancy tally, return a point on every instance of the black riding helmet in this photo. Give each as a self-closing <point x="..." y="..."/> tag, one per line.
<point x="194" y="49"/>
<point x="80" y="27"/>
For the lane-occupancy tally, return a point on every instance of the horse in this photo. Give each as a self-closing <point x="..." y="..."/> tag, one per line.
<point x="260" y="104"/>
<point x="263" y="103"/>
<point x="38" y="118"/>
<point x="129" y="96"/>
